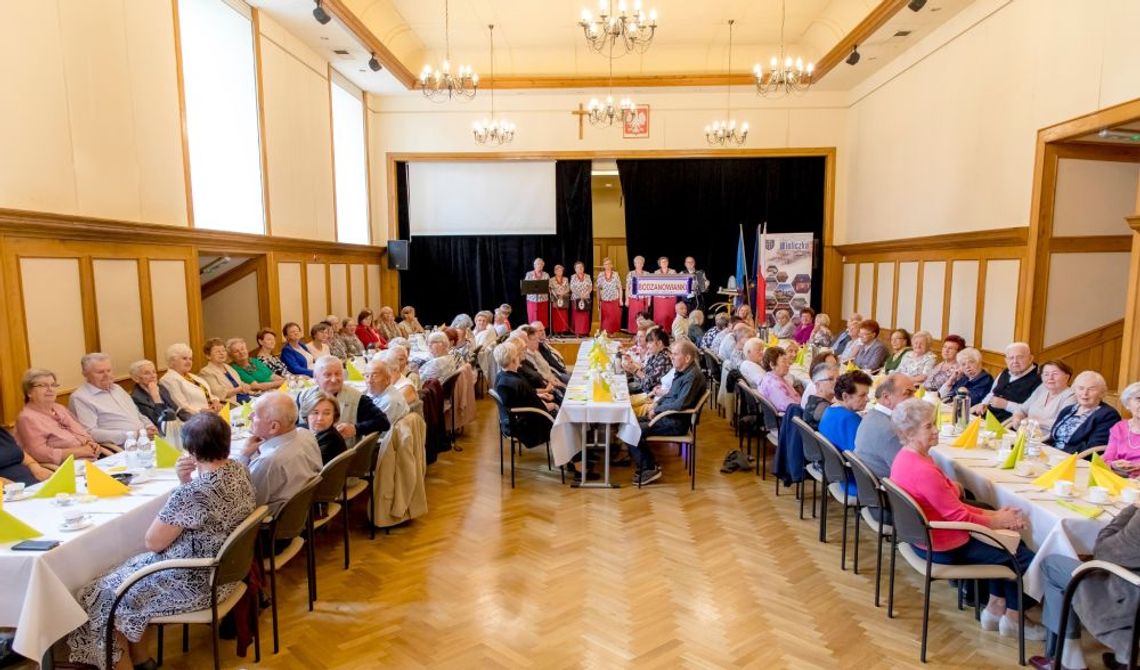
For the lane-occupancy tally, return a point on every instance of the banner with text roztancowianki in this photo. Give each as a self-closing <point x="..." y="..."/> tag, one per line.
<point x="784" y="269"/>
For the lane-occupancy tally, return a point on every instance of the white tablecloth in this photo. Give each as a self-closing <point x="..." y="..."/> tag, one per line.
<point x="1052" y="529"/>
<point x="566" y="434"/>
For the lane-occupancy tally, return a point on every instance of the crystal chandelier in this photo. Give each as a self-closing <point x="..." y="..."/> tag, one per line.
<point x="723" y="133"/>
<point x="633" y="31"/>
<point x="490" y="131"/>
<point x="785" y="75"/>
<point x="440" y="84"/>
<point x="606" y="113"/>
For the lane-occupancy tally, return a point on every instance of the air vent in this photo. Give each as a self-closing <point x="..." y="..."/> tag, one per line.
<point x="903" y="33"/>
<point x="340" y="52"/>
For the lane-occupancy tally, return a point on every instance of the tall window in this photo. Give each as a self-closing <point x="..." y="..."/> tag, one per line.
<point x="350" y="161"/>
<point x="220" y="85"/>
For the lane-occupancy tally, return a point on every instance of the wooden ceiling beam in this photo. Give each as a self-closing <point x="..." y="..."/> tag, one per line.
<point x="383" y="54"/>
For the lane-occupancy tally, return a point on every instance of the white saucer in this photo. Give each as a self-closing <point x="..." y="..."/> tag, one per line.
<point x="1098" y="504"/>
<point x="18" y="497"/>
<point x="84" y="522"/>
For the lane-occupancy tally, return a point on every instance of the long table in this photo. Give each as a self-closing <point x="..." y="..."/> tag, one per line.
<point x="579" y="411"/>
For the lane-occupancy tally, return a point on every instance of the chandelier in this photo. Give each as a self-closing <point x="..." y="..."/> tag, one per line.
<point x="785" y="75"/>
<point x="490" y="131"/>
<point x="606" y="113"/>
<point x="723" y="133"/>
<point x="439" y="84"/>
<point x="632" y="30"/>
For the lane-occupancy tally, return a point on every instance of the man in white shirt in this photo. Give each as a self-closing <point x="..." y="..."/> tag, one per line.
<point x="103" y="407"/>
<point x="681" y="321"/>
<point x="281" y="457"/>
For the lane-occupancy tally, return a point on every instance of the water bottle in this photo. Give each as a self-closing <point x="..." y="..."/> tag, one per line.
<point x="145" y="450"/>
<point x="131" y="449"/>
<point x="961" y="409"/>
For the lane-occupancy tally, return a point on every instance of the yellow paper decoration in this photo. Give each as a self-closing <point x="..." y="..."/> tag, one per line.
<point x="1016" y="454"/>
<point x="602" y="391"/>
<point x="850" y="367"/>
<point x="993" y="425"/>
<point x="14" y="530"/>
<point x="354" y="374"/>
<point x="921" y="393"/>
<point x="246" y="410"/>
<point x="773" y="341"/>
<point x="800" y="356"/>
<point x="61" y="481"/>
<point x="284" y="388"/>
<point x="1090" y="511"/>
<point x="225" y="413"/>
<point x="1102" y="475"/>
<point x="938" y="417"/>
<point x="1065" y="470"/>
<point x="103" y="485"/>
<point x="165" y="453"/>
<point x="969" y="437"/>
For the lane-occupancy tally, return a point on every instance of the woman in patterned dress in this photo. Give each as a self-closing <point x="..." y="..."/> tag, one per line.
<point x="560" y="295"/>
<point x="581" y="299"/>
<point x="636" y="305"/>
<point x="536" y="304"/>
<point x="664" y="307"/>
<point x="194" y="523"/>
<point x="609" y="297"/>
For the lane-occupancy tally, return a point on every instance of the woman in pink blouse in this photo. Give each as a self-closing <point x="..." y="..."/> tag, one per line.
<point x="940" y="498"/>
<point x="46" y="429"/>
<point x="1123" y="451"/>
<point x="775" y="386"/>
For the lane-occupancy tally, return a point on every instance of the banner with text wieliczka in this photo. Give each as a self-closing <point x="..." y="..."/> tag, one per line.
<point x="784" y="267"/>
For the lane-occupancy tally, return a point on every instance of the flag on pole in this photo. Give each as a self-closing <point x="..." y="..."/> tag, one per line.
<point x="741" y="271"/>
<point x="761" y="311"/>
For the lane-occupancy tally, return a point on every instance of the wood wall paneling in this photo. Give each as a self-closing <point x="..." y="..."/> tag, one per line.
<point x="54" y="342"/>
<point x="885" y="295"/>
<point x="316" y="305"/>
<point x="933" y="298"/>
<point x="866" y="289"/>
<point x="907" y="290"/>
<point x="357" y="288"/>
<point x="375" y="300"/>
<point x="963" y="307"/>
<point x="119" y="305"/>
<point x="289" y="287"/>
<point x="848" y="301"/>
<point x="338" y="289"/>
<point x="1000" y="288"/>
<point x="170" y="305"/>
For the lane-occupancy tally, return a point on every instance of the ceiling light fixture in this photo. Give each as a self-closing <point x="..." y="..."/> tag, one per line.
<point x="490" y="131"/>
<point x="320" y="14"/>
<point x="724" y="133"/>
<point x="634" y="31"/>
<point x="374" y="64"/>
<point x="915" y="5"/>
<point x="439" y="84"/>
<point x="854" y="57"/>
<point x="606" y="113"/>
<point x="786" y="75"/>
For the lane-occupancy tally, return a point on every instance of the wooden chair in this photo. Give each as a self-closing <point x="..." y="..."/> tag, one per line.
<point x="512" y="441"/>
<point x="362" y="477"/>
<point x="871" y="497"/>
<point x="813" y="466"/>
<point x="229" y="566"/>
<point x="688" y="439"/>
<point x="837" y="473"/>
<point x="449" y="406"/>
<point x="1088" y="569"/>
<point x="913" y="528"/>
<point x="291" y="522"/>
<point x="1087" y="454"/>
<point x="330" y="492"/>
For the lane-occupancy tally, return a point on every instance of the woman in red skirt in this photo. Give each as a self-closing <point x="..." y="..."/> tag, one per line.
<point x="664" y="308"/>
<point x="560" y="299"/>
<point x="636" y="305"/>
<point x="536" y="304"/>
<point x="609" y="297"/>
<point x="581" y="300"/>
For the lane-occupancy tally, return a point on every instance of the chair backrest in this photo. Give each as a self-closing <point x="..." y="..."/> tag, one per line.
<point x="911" y="524"/>
<point x="495" y="395"/>
<point x="696" y="416"/>
<point x="812" y="453"/>
<point x="866" y="482"/>
<point x="834" y="465"/>
<point x="333" y="476"/>
<point x="712" y="363"/>
<point x="770" y="413"/>
<point x="1088" y="453"/>
<point x="291" y="518"/>
<point x="236" y="554"/>
<point x="365" y="461"/>
<point x="449" y="384"/>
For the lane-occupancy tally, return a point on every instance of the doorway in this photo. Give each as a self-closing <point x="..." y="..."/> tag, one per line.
<point x="235" y="300"/>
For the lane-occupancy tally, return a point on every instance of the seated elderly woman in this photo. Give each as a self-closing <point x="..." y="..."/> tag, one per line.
<point x="46" y="429"/>
<point x="386" y="324"/>
<point x="841" y="421"/>
<point x="783" y="328"/>
<point x="319" y="337"/>
<point x="820" y="392"/>
<point x="463" y="324"/>
<point x="191" y="394"/>
<point x="775" y="385"/>
<point x="1088" y="422"/>
<point x="252" y="372"/>
<point x="900" y="347"/>
<point x="915" y="472"/>
<point x="442" y="364"/>
<point x="379" y="376"/>
<point x="409" y="324"/>
<point x="806" y="326"/>
<point x="296" y="355"/>
<point x="720" y="322"/>
<point x="1047" y="400"/>
<point x="918" y="361"/>
<point x="941" y="372"/>
<point x="696" y="326"/>
<point x="367" y="333"/>
<point x="646" y="376"/>
<point x="346" y="336"/>
<point x="266" y="343"/>
<point x="17" y="465"/>
<point x="193" y="523"/>
<point x="483" y="333"/>
<point x="821" y="337"/>
<point x="224" y="381"/>
<point x="969" y="376"/>
<point x="530" y="429"/>
<point x="322" y="414"/>
<point x="751" y="367"/>
<point x="397" y="359"/>
<point x="1123" y="451"/>
<point x="152" y="398"/>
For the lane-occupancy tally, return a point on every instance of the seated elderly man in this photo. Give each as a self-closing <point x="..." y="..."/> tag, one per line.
<point x="358" y="415"/>
<point x="876" y="442"/>
<point x="378" y="376"/>
<point x="103" y="407"/>
<point x="514" y="391"/>
<point x="442" y="364"/>
<point x="686" y="390"/>
<point x="680" y="328"/>
<point x="534" y="355"/>
<point x="848" y="336"/>
<point x="720" y="322"/>
<point x="280" y="456"/>
<point x="550" y="354"/>
<point x="735" y="341"/>
<point x="526" y="369"/>
<point x="1014" y="385"/>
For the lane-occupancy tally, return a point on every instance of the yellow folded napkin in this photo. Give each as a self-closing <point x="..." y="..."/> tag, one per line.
<point x="602" y="391"/>
<point x="850" y="367"/>
<point x="993" y="425"/>
<point x="1102" y="475"/>
<point x="1016" y="454"/>
<point x="773" y="341"/>
<point x="1090" y="511"/>
<point x="799" y="360"/>
<point x="920" y="393"/>
<point x="61" y="481"/>
<point x="938" y="417"/>
<point x="354" y="374"/>
<point x="103" y="485"/>
<point x="225" y="413"/>
<point x="1065" y="470"/>
<point x="246" y="410"/>
<point x="284" y="388"/>
<point x="969" y="437"/>
<point x="14" y="530"/>
<point x="165" y="453"/>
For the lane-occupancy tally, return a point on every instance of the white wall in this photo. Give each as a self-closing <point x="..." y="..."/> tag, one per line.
<point x="1086" y="290"/>
<point x="233" y="311"/>
<point x="1094" y="197"/>
<point x="942" y="140"/>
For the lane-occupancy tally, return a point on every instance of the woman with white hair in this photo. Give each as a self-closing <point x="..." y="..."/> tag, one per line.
<point x="751" y="368"/>
<point x="152" y="398"/>
<point x="1088" y="422"/>
<point x="1123" y="450"/>
<point x="483" y="332"/>
<point x="969" y="376"/>
<point x="191" y="394"/>
<point x="918" y="361"/>
<point x="915" y="472"/>
<point x="442" y="364"/>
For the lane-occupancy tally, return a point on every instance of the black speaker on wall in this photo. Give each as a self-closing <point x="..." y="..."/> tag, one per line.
<point x="398" y="254"/>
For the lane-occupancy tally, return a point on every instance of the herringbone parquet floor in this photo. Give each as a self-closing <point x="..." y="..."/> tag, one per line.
<point x="545" y="576"/>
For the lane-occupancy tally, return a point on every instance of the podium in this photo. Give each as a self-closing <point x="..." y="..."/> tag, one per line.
<point x="530" y="287"/>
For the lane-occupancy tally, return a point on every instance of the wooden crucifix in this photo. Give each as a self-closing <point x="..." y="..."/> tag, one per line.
<point x="581" y="113"/>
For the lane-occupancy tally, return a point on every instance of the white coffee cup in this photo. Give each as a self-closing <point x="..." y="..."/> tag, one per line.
<point x="1129" y="495"/>
<point x="73" y="516"/>
<point x="1023" y="468"/>
<point x="1098" y="494"/>
<point x="13" y="490"/>
<point x="1063" y="488"/>
<point x="948" y="430"/>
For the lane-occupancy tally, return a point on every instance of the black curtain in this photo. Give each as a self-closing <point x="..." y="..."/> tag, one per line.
<point x="456" y="274"/>
<point x="695" y="207"/>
